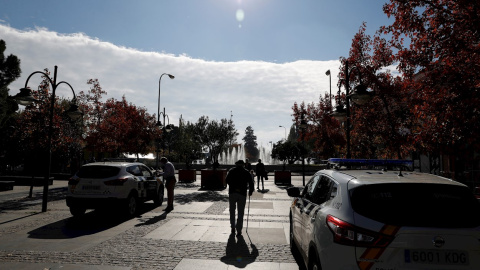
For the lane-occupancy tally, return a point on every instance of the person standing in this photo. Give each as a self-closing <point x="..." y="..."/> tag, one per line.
<point x="170" y="180"/>
<point x="238" y="180"/>
<point x="260" y="170"/>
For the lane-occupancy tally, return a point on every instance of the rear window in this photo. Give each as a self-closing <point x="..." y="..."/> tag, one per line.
<point x="98" y="172"/>
<point x="418" y="205"/>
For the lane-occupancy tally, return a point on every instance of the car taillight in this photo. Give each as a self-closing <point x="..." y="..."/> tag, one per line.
<point x="347" y="234"/>
<point x="115" y="182"/>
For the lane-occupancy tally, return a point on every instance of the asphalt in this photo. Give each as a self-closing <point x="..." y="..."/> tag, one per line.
<point x="195" y="235"/>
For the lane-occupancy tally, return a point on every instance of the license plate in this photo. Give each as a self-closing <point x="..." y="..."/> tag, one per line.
<point x="431" y="256"/>
<point x="88" y="187"/>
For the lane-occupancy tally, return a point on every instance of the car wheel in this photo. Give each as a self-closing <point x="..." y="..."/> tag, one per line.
<point x="131" y="205"/>
<point x="158" y="200"/>
<point x="313" y="261"/>
<point x="77" y="211"/>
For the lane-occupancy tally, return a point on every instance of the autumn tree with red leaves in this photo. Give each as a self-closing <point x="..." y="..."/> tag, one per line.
<point x="438" y="53"/>
<point x="93" y="108"/>
<point x="115" y="127"/>
<point x="380" y="128"/>
<point x="125" y="128"/>
<point x="324" y="134"/>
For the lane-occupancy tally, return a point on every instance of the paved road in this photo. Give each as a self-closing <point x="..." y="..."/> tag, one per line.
<point x="196" y="235"/>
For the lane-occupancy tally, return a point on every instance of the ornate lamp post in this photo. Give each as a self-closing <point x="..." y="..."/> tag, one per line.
<point x="360" y="96"/>
<point x="330" y="75"/>
<point x="159" y="123"/>
<point x="167" y="128"/>
<point x="158" y="109"/>
<point x="25" y="98"/>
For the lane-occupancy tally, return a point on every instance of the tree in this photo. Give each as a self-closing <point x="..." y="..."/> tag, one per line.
<point x="438" y="53"/>
<point x="324" y="133"/>
<point x="214" y="135"/>
<point x="288" y="151"/>
<point x="93" y="108"/>
<point x="389" y="136"/>
<point x="250" y="144"/>
<point x="9" y="72"/>
<point x="188" y="146"/>
<point x="33" y="136"/>
<point x="126" y="128"/>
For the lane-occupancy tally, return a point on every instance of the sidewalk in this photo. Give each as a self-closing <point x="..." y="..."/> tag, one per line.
<point x="196" y="235"/>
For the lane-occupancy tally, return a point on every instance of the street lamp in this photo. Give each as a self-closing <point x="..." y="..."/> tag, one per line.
<point x="159" y="124"/>
<point x="167" y="128"/>
<point x="285" y="132"/>
<point x="25" y="98"/>
<point x="330" y="75"/>
<point x="303" y="128"/>
<point x="158" y="109"/>
<point x="360" y="96"/>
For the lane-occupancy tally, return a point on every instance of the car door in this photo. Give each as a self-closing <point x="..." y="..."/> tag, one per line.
<point x="321" y="193"/>
<point x="150" y="183"/>
<point x="305" y="207"/>
<point x="139" y="179"/>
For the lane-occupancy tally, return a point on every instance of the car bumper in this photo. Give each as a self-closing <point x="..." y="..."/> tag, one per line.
<point x="94" y="203"/>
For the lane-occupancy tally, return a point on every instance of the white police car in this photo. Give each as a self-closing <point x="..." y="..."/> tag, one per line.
<point x="384" y="219"/>
<point x="113" y="186"/>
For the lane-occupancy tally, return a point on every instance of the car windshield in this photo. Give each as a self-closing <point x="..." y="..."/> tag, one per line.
<point x="418" y="205"/>
<point x="98" y="172"/>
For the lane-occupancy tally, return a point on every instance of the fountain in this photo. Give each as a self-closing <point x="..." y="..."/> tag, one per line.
<point x="230" y="157"/>
<point x="238" y="152"/>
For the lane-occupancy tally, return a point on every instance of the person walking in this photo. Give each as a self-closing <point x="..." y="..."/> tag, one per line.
<point x="238" y="180"/>
<point x="170" y="180"/>
<point x="260" y="170"/>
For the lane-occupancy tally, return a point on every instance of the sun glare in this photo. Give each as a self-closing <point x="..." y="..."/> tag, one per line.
<point x="240" y="15"/>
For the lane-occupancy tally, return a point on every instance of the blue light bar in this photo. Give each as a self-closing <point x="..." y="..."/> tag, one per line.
<point x="370" y="162"/>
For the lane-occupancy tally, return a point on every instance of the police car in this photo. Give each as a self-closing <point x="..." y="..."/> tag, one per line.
<point x="113" y="186"/>
<point x="384" y="219"/>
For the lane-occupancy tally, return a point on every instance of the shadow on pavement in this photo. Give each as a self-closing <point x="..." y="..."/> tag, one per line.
<point x="153" y="220"/>
<point x="237" y="252"/>
<point x="54" y="194"/>
<point x="91" y="223"/>
<point x="208" y="196"/>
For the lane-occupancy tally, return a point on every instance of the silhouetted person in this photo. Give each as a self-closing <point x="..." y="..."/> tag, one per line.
<point x="238" y="180"/>
<point x="260" y="170"/>
<point x="170" y="180"/>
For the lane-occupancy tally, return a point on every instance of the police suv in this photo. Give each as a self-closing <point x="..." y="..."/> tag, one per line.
<point x="113" y="186"/>
<point x="368" y="218"/>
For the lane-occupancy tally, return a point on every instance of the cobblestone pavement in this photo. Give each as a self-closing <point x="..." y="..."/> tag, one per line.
<point x="129" y="247"/>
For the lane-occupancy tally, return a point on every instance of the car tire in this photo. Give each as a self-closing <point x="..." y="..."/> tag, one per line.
<point x="313" y="261"/>
<point x="77" y="211"/>
<point x="131" y="205"/>
<point x="158" y="200"/>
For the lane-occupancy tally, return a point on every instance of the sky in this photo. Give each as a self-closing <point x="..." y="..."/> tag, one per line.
<point x="249" y="60"/>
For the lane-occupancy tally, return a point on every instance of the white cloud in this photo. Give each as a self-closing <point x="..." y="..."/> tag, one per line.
<point x="259" y="94"/>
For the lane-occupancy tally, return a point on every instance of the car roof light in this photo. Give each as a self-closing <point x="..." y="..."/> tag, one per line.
<point x="349" y="162"/>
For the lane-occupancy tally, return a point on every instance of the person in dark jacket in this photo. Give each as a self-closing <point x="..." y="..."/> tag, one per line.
<point x="260" y="170"/>
<point x="238" y="180"/>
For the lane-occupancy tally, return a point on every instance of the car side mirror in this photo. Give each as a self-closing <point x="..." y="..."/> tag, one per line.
<point x="293" y="191"/>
